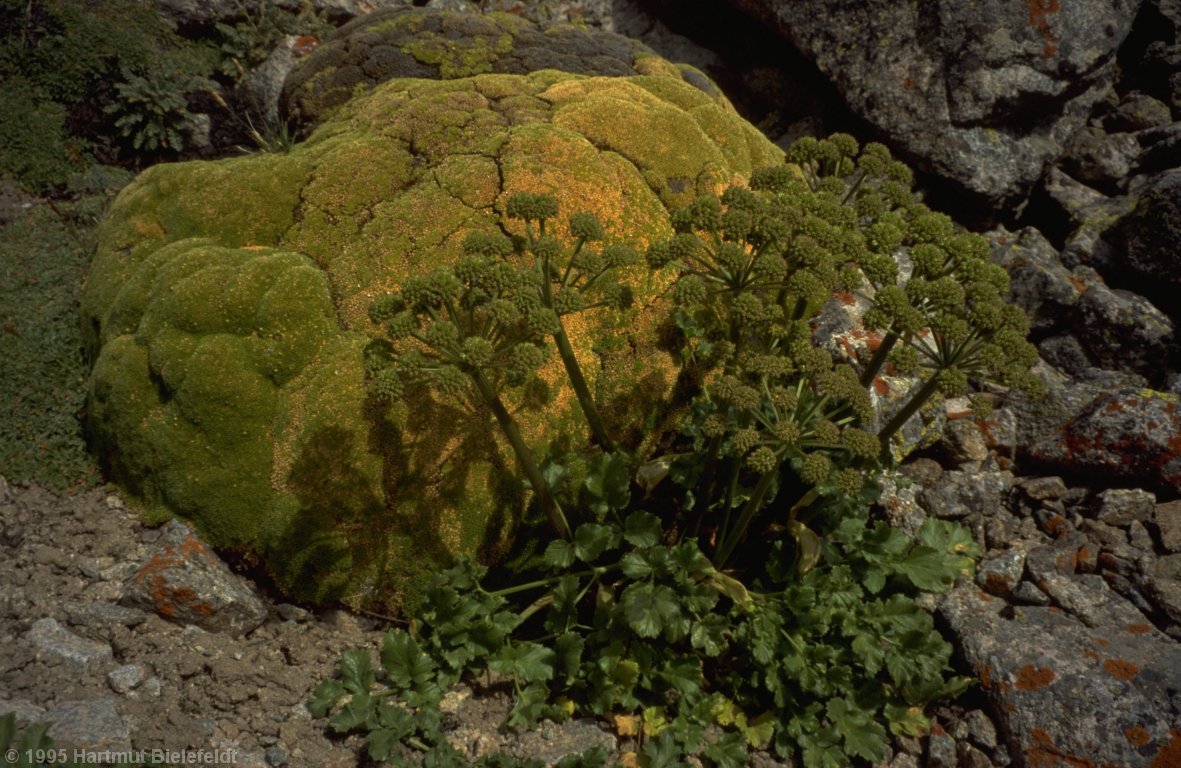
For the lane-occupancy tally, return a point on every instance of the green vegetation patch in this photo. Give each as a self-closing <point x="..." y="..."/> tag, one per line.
<point x="228" y="310"/>
<point x="43" y="257"/>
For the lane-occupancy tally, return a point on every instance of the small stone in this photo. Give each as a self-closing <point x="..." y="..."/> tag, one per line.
<point x="909" y="745"/>
<point x="551" y="742"/>
<point x="1140" y="538"/>
<point x="1164" y="585"/>
<point x="54" y="639"/>
<point x="276" y="756"/>
<point x="964" y="441"/>
<point x="123" y="679"/>
<point x="981" y="729"/>
<point x="23" y="709"/>
<point x="1168" y="521"/>
<point x="1053" y="522"/>
<point x="185" y="582"/>
<point x="91" y="567"/>
<point x="999" y="574"/>
<point x="1000" y="757"/>
<point x="971" y="757"/>
<point x="923" y="471"/>
<point x="1058" y="557"/>
<point x="149" y="689"/>
<point x="1042" y="488"/>
<point x="958" y="494"/>
<point x="1026" y="593"/>
<point x="289" y="612"/>
<point x="1106" y="536"/>
<point x="91" y="725"/>
<point x="904" y="760"/>
<point x="940" y="751"/>
<point x="1121" y="506"/>
<point x="113" y="502"/>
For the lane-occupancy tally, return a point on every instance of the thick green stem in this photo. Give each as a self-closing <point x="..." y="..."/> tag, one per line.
<point x="738" y="532"/>
<point x="589" y="410"/>
<point x="912" y="406"/>
<point x="708" y="477"/>
<point x="879" y="358"/>
<point x="593" y="418"/>
<point x="524" y="456"/>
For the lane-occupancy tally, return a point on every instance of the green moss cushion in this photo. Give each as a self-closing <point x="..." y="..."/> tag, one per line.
<point x="226" y="311"/>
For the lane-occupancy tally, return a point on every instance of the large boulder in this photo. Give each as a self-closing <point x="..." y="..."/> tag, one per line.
<point x="983" y="94"/>
<point x="415" y="42"/>
<point x="1143" y="252"/>
<point x="227" y="311"/>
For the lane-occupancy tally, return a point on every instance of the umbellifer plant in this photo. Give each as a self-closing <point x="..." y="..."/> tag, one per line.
<point x="635" y="610"/>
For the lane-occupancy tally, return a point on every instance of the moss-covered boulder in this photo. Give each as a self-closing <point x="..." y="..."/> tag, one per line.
<point x="226" y="310"/>
<point x="405" y="42"/>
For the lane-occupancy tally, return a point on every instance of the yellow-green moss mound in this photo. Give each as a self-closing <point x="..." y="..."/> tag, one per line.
<point x="226" y="310"/>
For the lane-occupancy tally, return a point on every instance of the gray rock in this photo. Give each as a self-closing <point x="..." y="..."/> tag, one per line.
<point x="54" y="639"/>
<point x="90" y="725"/>
<point x="1059" y="557"/>
<point x="550" y="742"/>
<point x="1000" y="574"/>
<point x="1123" y="331"/>
<point x="903" y="760"/>
<point x="1138" y="111"/>
<point x="941" y="751"/>
<point x="964" y="441"/>
<point x="263" y="84"/>
<point x="1124" y="437"/>
<point x="103" y="614"/>
<point x="981" y="729"/>
<point x="1082" y="322"/>
<point x="123" y="679"/>
<point x="1163" y="585"/>
<point x="149" y="689"/>
<point x="984" y="94"/>
<point x="971" y="757"/>
<point x="1168" y="522"/>
<point x="289" y="612"/>
<point x="1144" y="243"/>
<point x="1041" y="489"/>
<point x="1026" y="593"/>
<point x="23" y="710"/>
<point x="1140" y="538"/>
<point x="439" y="44"/>
<point x="1102" y="160"/>
<point x="1066" y="693"/>
<point x="1078" y="202"/>
<point x="958" y="494"/>
<point x="185" y="582"/>
<point x="1120" y="506"/>
<point x="1038" y="281"/>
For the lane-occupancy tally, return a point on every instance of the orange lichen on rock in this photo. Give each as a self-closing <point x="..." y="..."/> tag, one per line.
<point x="1124" y="670"/>
<point x="1137" y="736"/>
<point x="1170" y="756"/>
<point x="1032" y="677"/>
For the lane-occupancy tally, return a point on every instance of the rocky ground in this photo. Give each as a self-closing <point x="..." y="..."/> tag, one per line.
<point x="135" y="638"/>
